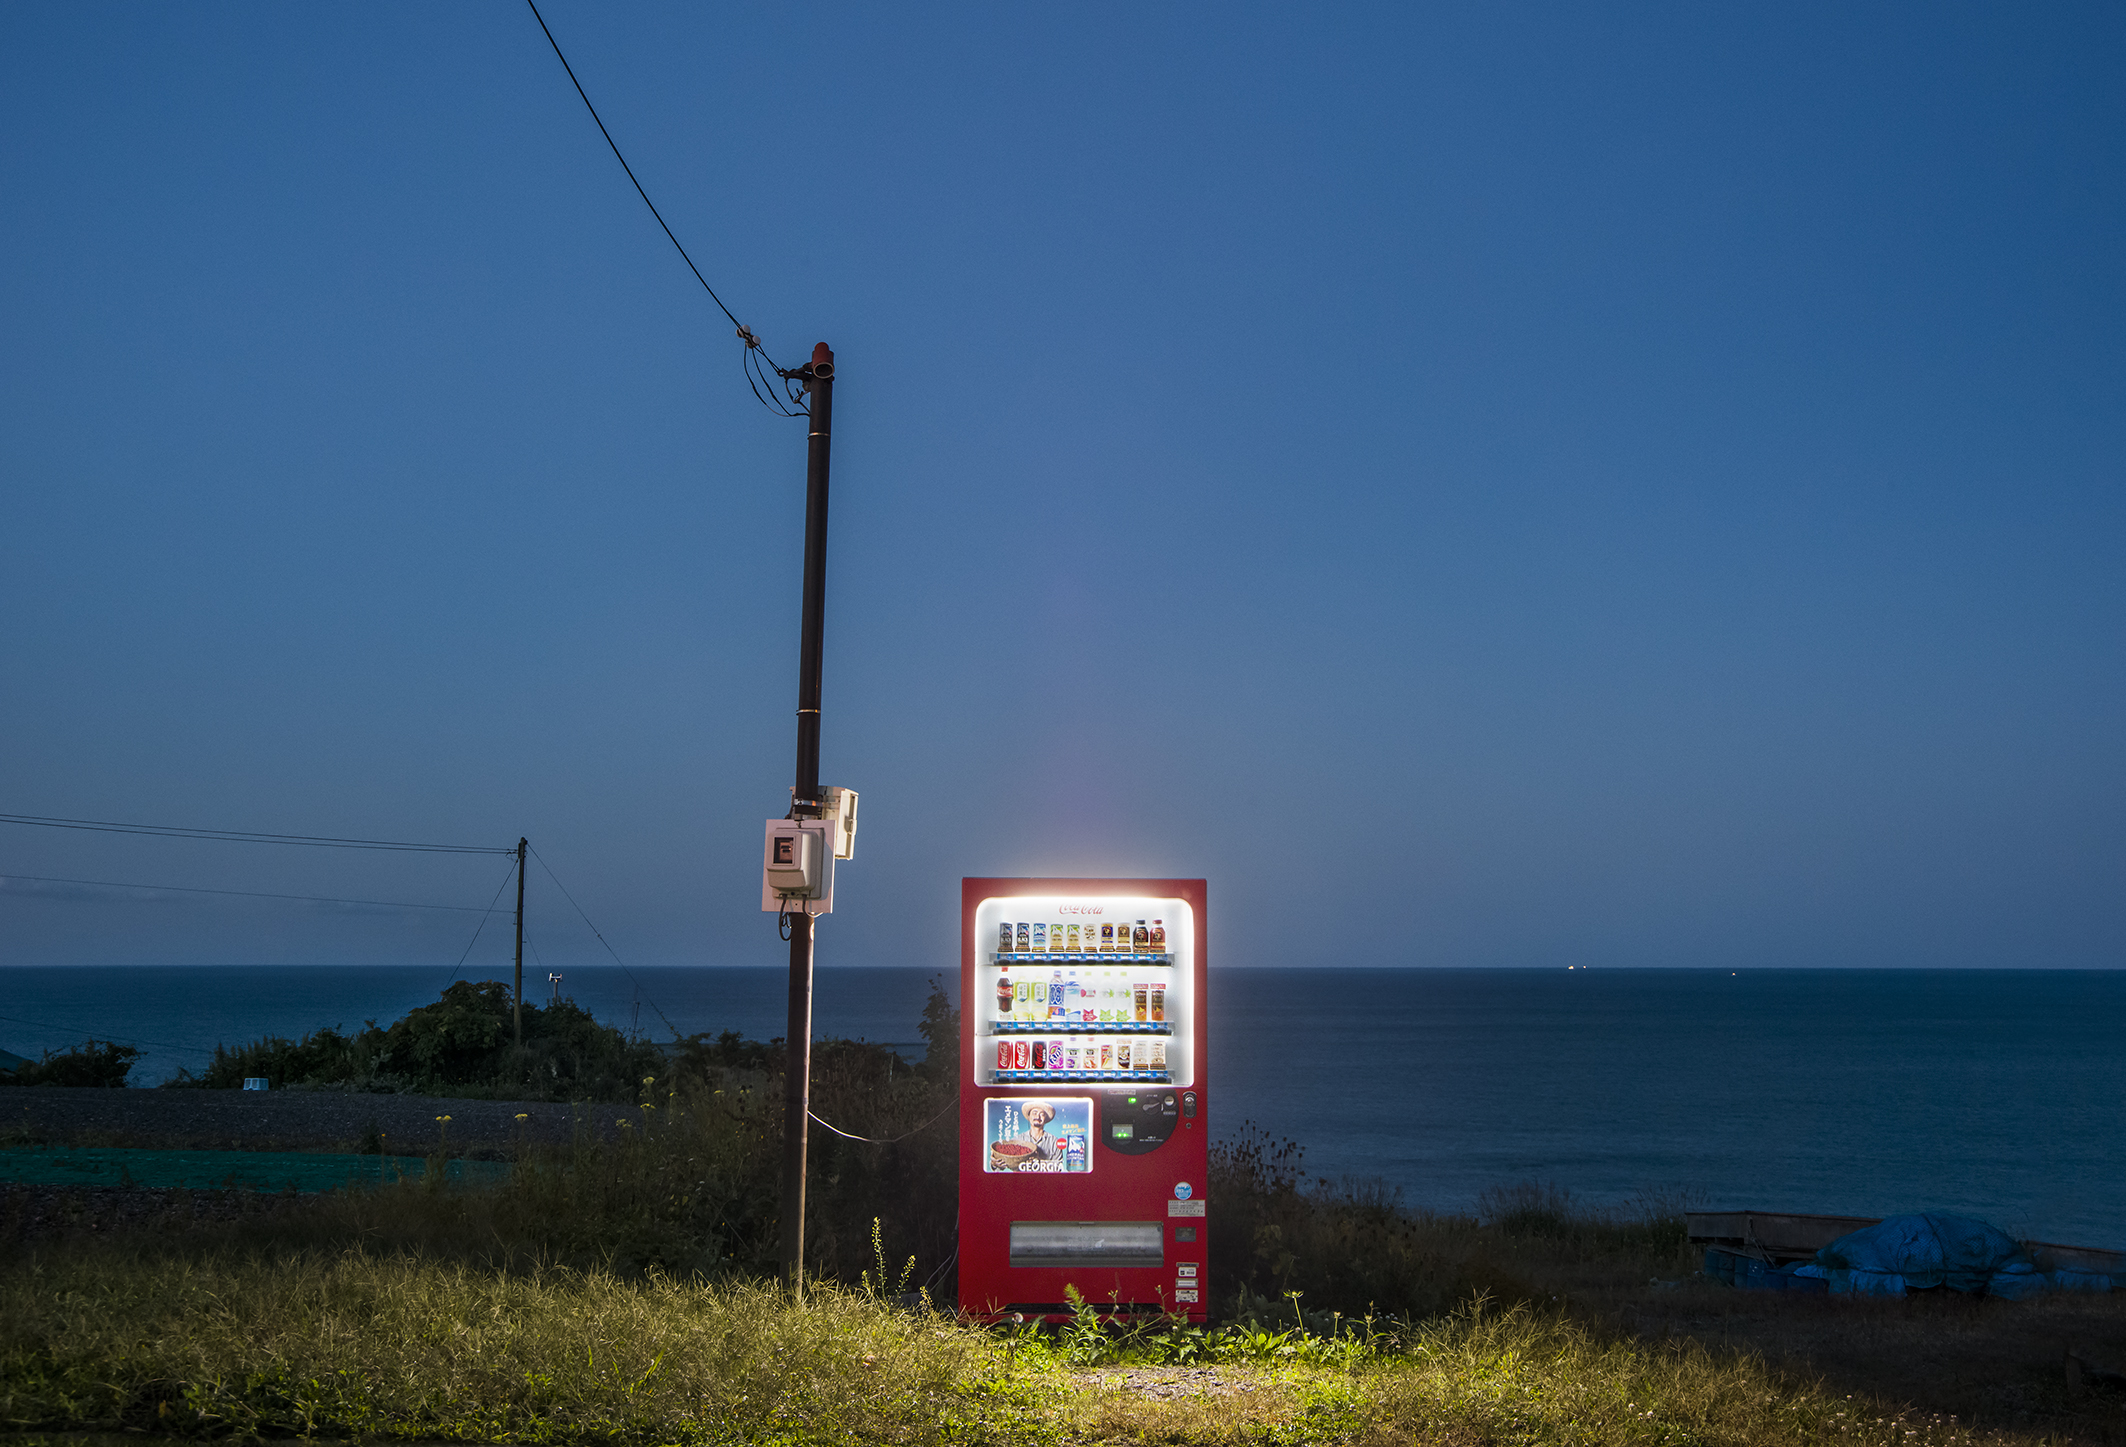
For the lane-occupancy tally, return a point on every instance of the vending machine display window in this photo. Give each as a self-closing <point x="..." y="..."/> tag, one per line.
<point x="1079" y="990"/>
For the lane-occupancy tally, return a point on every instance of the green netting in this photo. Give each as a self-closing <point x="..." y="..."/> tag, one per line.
<point x="221" y="1170"/>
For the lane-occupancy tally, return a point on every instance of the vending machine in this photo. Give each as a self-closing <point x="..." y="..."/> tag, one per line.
<point x="1083" y="1101"/>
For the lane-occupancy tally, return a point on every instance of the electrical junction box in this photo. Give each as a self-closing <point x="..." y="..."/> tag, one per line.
<point x="797" y="867"/>
<point x="841" y="812"/>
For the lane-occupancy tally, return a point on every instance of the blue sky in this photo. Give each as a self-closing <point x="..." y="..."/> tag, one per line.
<point x="1504" y="485"/>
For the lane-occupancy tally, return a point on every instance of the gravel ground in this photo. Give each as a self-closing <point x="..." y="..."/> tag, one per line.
<point x="282" y="1120"/>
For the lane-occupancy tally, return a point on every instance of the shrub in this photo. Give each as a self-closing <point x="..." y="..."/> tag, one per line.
<point x="89" y="1063"/>
<point x="463" y="1044"/>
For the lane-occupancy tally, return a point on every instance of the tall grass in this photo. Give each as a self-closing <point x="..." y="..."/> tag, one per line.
<point x="1308" y="1250"/>
<point x="359" y="1345"/>
<point x="355" y="1345"/>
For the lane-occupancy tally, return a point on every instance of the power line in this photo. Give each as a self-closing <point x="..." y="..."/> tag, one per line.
<point x="601" y="938"/>
<point x="745" y="333"/>
<point x="490" y="910"/>
<point x="248" y="893"/>
<point x="108" y="1039"/>
<point x="245" y="836"/>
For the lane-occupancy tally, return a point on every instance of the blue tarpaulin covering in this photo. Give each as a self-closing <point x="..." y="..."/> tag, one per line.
<point x="1917" y="1253"/>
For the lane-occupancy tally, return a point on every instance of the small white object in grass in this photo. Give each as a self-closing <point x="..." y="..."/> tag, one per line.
<point x="257" y="1082"/>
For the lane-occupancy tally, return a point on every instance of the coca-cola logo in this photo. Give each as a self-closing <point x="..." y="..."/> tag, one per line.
<point x="1083" y="909"/>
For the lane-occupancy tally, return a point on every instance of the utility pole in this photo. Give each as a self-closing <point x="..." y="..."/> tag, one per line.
<point x="817" y="377"/>
<point x="518" y="993"/>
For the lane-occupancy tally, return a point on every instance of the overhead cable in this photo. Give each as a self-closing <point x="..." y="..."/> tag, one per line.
<point x="248" y="893"/>
<point x="601" y="938"/>
<point x="745" y="333"/>
<point x="482" y="924"/>
<point x="247" y="836"/>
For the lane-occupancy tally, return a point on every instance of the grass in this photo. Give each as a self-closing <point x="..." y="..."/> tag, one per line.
<point x="360" y="1345"/>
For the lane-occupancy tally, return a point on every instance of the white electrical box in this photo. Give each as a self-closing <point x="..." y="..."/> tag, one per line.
<point x="797" y="867"/>
<point x="841" y="813"/>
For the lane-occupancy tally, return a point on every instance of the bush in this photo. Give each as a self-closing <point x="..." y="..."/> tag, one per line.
<point x="1302" y="1252"/>
<point x="89" y="1063"/>
<point x="464" y="1044"/>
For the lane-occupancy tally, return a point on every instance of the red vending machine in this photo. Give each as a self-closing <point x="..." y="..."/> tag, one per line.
<point x="1083" y="1117"/>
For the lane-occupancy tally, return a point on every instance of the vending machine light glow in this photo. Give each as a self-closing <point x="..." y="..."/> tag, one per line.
<point x="1083" y="1097"/>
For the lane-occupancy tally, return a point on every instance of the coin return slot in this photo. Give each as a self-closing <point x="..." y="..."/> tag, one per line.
<point x="1087" y="1243"/>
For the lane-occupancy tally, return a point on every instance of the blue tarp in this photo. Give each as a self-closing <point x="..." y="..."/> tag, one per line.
<point x="1917" y="1253"/>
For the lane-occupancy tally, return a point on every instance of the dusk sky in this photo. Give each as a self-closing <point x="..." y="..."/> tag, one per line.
<point x="1500" y="485"/>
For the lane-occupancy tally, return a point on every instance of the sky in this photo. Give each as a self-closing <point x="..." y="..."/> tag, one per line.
<point x="1509" y="485"/>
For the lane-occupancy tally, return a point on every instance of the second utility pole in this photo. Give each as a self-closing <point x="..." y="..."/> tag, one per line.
<point x="805" y="803"/>
<point x="519" y="995"/>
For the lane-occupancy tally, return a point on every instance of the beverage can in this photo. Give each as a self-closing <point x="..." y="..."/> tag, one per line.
<point x="1143" y="1003"/>
<point x="1055" y="1055"/>
<point x="1020" y="1052"/>
<point x="1040" y="1054"/>
<point x="1074" y="1151"/>
<point x="1158" y="1001"/>
<point x="1004" y="1055"/>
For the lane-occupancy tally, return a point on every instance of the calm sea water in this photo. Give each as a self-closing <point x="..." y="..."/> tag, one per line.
<point x="2000" y="1094"/>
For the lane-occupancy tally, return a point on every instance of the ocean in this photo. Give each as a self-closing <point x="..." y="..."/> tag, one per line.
<point x="1999" y="1094"/>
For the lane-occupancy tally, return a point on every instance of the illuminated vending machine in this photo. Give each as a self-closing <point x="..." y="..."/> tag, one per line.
<point x="1082" y="1097"/>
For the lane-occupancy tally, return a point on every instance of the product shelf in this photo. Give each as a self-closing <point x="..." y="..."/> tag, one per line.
<point x="1040" y="957"/>
<point x="1056" y="1077"/>
<point x="1078" y="1027"/>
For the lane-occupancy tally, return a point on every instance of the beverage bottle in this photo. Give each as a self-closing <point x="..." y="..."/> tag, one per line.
<point x="1074" y="1152"/>
<point x="1070" y="941"/>
<point x="1122" y="1055"/>
<point x="1025" y="937"/>
<point x="1158" y="936"/>
<point x="1141" y="992"/>
<point x="1141" y="941"/>
<point x="1107" y="1055"/>
<point x="1107" y="939"/>
<point x="1072" y="999"/>
<point x="1005" y="994"/>
<point x="1055" y="996"/>
<point x="1004" y="937"/>
<point x="1158" y="1002"/>
<point x="1040" y="937"/>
